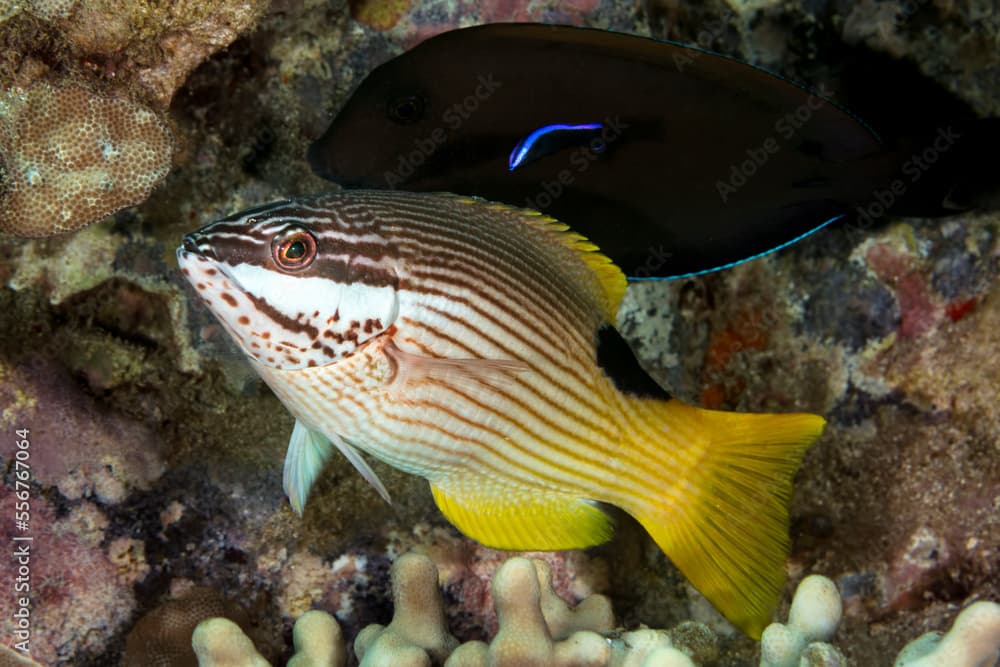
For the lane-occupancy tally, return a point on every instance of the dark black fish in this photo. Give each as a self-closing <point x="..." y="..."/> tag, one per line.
<point x="682" y="161"/>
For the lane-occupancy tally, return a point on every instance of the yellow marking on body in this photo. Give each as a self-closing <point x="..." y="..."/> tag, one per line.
<point x="521" y="519"/>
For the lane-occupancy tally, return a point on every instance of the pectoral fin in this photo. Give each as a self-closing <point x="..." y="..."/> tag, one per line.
<point x="308" y="452"/>
<point x="470" y="373"/>
<point x="522" y="519"/>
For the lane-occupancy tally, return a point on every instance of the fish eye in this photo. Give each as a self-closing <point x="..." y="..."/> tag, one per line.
<point x="405" y="109"/>
<point x="294" y="249"/>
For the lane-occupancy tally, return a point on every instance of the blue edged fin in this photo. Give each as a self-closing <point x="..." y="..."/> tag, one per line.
<point x="730" y="265"/>
<point x="308" y="453"/>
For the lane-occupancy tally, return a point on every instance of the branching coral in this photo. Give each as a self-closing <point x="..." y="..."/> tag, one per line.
<point x="11" y="658"/>
<point x="536" y="628"/>
<point x="218" y="642"/>
<point x="973" y="641"/>
<point x="70" y="156"/>
<point x="418" y="625"/>
<point x="812" y="621"/>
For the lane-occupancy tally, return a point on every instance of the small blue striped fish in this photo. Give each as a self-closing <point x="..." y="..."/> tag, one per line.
<point x="473" y="344"/>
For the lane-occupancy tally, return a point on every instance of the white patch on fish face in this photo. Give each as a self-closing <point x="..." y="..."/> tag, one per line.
<point x="288" y="321"/>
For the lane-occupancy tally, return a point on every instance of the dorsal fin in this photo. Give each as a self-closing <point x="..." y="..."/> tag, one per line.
<point x="613" y="282"/>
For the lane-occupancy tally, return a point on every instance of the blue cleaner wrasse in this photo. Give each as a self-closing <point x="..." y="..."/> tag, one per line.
<point x="640" y="144"/>
<point x="473" y="344"/>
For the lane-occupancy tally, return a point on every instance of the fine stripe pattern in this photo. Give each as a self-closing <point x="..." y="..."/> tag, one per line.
<point x="474" y="286"/>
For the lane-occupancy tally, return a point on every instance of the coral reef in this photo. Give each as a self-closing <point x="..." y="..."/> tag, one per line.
<point x="812" y="622"/>
<point x="82" y="593"/>
<point x="972" y="641"/>
<point x="156" y="464"/>
<point x="70" y="157"/>
<point x="83" y="88"/>
<point x="163" y="636"/>
<point x="536" y="627"/>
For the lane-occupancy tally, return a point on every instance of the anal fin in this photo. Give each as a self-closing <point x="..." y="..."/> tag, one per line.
<point x="522" y="519"/>
<point x="308" y="453"/>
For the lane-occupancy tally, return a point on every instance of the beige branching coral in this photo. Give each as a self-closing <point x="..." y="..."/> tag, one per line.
<point x="525" y="637"/>
<point x="218" y="642"/>
<point x="812" y="621"/>
<point x="70" y="156"/>
<point x="418" y="624"/>
<point x="318" y="641"/>
<point x="536" y="628"/>
<point x="11" y="658"/>
<point x="973" y="641"/>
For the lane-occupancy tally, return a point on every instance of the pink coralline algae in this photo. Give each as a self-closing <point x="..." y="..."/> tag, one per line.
<point x="918" y="309"/>
<point x="75" y="446"/>
<point x="79" y="597"/>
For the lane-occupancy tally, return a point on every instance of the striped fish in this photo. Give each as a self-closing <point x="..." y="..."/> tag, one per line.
<point x="473" y="344"/>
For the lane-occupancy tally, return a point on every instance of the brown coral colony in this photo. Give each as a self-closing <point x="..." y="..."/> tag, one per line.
<point x="72" y="156"/>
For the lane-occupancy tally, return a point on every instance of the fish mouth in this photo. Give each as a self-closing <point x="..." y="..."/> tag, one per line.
<point x="195" y="244"/>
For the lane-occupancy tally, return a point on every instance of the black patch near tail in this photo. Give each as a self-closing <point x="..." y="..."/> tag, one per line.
<point x="618" y="362"/>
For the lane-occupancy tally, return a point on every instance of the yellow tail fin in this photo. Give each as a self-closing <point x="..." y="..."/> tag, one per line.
<point x="726" y="524"/>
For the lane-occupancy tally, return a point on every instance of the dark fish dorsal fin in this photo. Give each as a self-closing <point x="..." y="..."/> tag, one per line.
<point x="619" y="363"/>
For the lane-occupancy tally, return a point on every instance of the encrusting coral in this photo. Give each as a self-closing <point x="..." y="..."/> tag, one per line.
<point x="163" y="636"/>
<point x="84" y="88"/>
<point x="70" y="156"/>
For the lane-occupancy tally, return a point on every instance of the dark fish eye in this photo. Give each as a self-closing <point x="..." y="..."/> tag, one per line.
<point x="405" y="109"/>
<point x="294" y="249"/>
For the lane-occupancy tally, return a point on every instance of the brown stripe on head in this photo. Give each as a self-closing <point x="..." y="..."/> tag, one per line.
<point x="313" y="274"/>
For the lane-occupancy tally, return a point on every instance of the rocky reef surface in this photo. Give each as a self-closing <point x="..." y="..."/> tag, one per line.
<point x="155" y="454"/>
